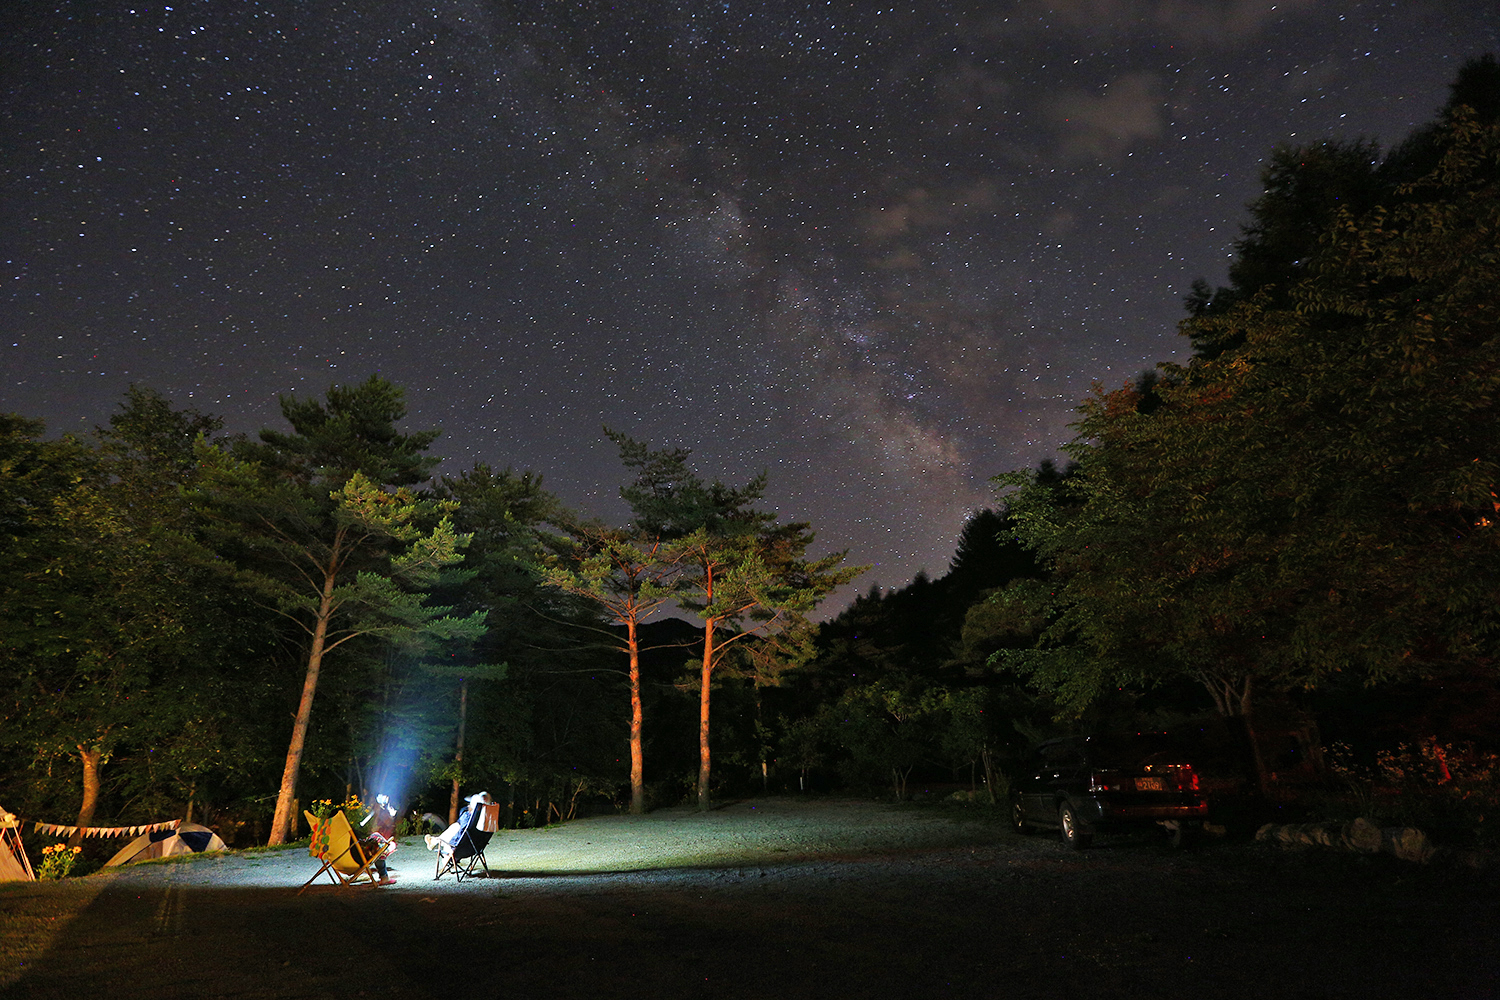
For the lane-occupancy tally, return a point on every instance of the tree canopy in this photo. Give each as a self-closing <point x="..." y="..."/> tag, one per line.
<point x="1314" y="497"/>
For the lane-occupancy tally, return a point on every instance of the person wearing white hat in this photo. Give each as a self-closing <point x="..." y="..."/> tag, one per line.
<point x="449" y="837"/>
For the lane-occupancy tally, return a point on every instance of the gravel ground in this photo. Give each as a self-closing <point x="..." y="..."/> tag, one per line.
<point x="784" y="898"/>
<point x="667" y="843"/>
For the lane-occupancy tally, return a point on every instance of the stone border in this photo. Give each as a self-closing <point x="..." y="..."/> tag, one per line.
<point x="1363" y="837"/>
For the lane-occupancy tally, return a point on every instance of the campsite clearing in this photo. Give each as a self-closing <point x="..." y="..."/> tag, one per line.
<point x="779" y="898"/>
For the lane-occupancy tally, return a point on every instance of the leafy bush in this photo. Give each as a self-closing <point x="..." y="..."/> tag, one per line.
<point x="1452" y="791"/>
<point x="414" y="824"/>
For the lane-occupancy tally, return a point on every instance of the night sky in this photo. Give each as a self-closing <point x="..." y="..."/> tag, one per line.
<point x="880" y="252"/>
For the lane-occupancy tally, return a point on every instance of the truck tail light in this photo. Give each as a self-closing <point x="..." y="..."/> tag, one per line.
<point x="1182" y="777"/>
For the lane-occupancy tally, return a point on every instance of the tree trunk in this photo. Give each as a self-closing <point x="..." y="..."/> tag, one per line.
<point x="283" y="820"/>
<point x="637" y="753"/>
<point x="1232" y="697"/>
<point x="703" y="757"/>
<point x="1252" y="737"/>
<point x="1262" y="773"/>
<point x="760" y="729"/>
<point x="458" y="757"/>
<point x="92" y="757"/>
<point x="1245" y="710"/>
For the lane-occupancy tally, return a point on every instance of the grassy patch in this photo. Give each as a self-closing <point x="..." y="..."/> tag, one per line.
<point x="291" y="845"/>
<point x="32" y="914"/>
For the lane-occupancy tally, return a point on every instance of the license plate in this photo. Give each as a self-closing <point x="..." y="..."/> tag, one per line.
<point x="1148" y="784"/>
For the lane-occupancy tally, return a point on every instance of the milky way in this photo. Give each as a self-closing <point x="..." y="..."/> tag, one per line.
<point x="879" y="252"/>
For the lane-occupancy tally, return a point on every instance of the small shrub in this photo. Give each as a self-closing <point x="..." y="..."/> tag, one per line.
<point x="414" y="824"/>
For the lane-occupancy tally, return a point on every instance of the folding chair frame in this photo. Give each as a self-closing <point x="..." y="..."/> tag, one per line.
<point x="473" y="863"/>
<point x="347" y="863"/>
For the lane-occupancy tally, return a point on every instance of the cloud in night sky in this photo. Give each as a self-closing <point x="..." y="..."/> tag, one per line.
<point x="880" y="252"/>
<point x="1127" y="111"/>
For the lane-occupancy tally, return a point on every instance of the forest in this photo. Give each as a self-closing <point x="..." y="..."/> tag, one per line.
<point x="1286" y="546"/>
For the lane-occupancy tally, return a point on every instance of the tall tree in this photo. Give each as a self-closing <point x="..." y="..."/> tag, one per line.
<point x="1318" y="501"/>
<point x="108" y="600"/>
<point x="631" y="573"/>
<point x="61" y="642"/>
<point x="741" y="574"/>
<point x="503" y="513"/>
<point x="333" y="551"/>
<point x="1306" y="188"/>
<point x="747" y="583"/>
<point x="630" y="577"/>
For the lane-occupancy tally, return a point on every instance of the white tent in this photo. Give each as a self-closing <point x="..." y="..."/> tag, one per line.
<point x="13" y="864"/>
<point x="187" y="838"/>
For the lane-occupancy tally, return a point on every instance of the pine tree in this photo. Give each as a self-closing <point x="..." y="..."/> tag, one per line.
<point x="311" y="524"/>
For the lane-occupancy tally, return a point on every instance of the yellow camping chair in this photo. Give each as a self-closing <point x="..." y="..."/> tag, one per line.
<point x="344" y="858"/>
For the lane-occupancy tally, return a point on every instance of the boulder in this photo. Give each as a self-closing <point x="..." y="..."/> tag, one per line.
<point x="1406" y="843"/>
<point x="1313" y="834"/>
<point x="1299" y="834"/>
<point x="1362" y="836"/>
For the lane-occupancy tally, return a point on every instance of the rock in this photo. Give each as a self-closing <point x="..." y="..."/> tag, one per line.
<point x="1406" y="843"/>
<point x="1287" y="835"/>
<point x="1363" y="836"/>
<point x="1309" y="834"/>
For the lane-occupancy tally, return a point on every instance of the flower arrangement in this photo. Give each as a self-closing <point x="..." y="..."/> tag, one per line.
<point x="357" y="812"/>
<point x="57" y="861"/>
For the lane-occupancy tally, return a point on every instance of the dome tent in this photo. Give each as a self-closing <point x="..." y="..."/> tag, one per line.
<point x="186" y="838"/>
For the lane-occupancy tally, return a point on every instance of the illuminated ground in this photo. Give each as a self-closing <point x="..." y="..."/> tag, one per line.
<point x="782" y="899"/>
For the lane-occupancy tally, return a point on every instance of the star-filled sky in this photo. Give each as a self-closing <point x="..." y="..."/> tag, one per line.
<point x="878" y="251"/>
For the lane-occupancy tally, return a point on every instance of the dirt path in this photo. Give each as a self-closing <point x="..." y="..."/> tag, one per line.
<point x="786" y="899"/>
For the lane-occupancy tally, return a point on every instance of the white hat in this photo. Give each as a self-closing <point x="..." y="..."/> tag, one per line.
<point x="479" y="797"/>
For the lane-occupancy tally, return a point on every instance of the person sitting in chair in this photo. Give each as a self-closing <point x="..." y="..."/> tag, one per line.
<point x="449" y="837"/>
<point x="383" y="833"/>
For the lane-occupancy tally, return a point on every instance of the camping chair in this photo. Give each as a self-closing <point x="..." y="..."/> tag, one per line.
<point x="344" y="858"/>
<point x="466" y="858"/>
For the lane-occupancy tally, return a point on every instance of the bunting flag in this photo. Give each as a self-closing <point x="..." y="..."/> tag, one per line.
<point x="57" y="830"/>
